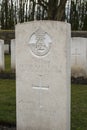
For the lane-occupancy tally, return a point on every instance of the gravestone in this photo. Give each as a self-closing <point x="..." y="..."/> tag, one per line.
<point x="43" y="75"/>
<point x="13" y="55"/>
<point x="2" y="55"/>
<point x="6" y="48"/>
<point x="79" y="57"/>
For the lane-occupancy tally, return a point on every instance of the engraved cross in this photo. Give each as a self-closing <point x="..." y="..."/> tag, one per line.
<point x="40" y="87"/>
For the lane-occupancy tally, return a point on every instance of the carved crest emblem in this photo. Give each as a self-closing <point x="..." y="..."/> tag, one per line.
<point x="40" y="42"/>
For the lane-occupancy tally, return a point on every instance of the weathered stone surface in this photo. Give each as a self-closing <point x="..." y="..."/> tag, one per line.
<point x="2" y="55"/>
<point x="13" y="55"/>
<point x="43" y="75"/>
<point x="79" y="57"/>
<point x="6" y="49"/>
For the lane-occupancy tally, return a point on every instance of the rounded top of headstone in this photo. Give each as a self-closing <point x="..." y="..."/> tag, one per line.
<point x="38" y="23"/>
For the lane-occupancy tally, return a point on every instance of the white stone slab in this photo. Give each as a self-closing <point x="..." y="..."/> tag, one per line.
<point x="79" y="57"/>
<point x="13" y="55"/>
<point x="6" y="48"/>
<point x="2" y="55"/>
<point x="43" y="75"/>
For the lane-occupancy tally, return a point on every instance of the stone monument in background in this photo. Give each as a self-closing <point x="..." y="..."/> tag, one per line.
<point x="2" y="65"/>
<point x="13" y="55"/>
<point x="79" y="57"/>
<point x="43" y="75"/>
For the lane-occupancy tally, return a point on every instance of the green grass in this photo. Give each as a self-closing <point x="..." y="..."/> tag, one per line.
<point x="7" y="63"/>
<point x="78" y="105"/>
<point x="7" y="101"/>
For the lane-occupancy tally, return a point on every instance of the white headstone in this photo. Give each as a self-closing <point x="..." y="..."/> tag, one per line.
<point x="6" y="48"/>
<point x="43" y="75"/>
<point x="13" y="55"/>
<point x="79" y="57"/>
<point x="2" y="55"/>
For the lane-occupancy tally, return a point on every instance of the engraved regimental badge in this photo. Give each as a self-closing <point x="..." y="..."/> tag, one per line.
<point x="40" y="42"/>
